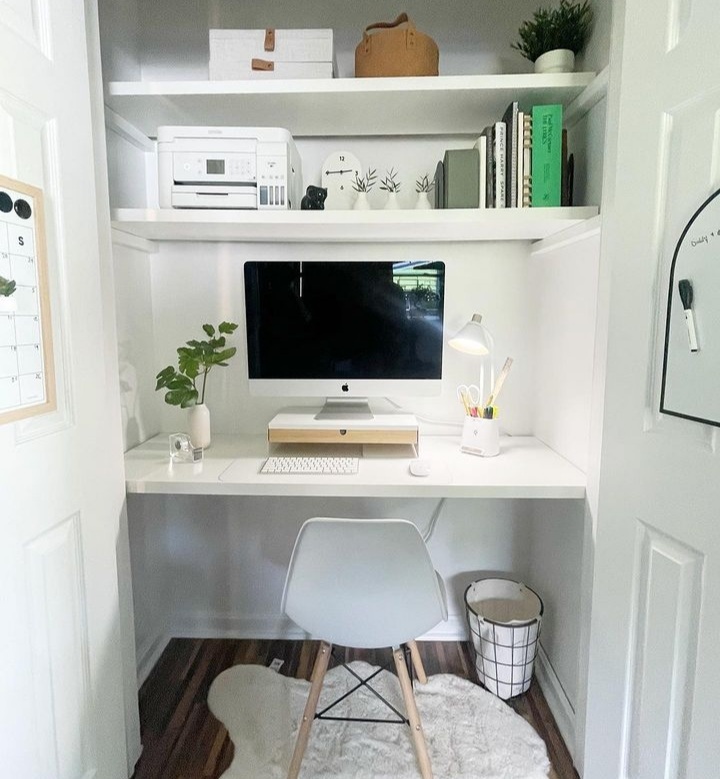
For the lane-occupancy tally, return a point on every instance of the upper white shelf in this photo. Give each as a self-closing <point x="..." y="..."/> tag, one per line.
<point x="443" y="105"/>
<point x="462" y="224"/>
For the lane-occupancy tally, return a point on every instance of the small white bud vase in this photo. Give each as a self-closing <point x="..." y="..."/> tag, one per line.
<point x="555" y="61"/>
<point x="392" y="202"/>
<point x="361" y="202"/>
<point x="423" y="201"/>
<point x="199" y="422"/>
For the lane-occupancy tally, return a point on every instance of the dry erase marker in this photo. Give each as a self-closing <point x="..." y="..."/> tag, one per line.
<point x="686" y="296"/>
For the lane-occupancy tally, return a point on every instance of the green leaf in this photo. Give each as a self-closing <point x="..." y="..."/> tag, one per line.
<point x="165" y="375"/>
<point x="225" y="355"/>
<point x="209" y="330"/>
<point x="181" y="397"/>
<point x="180" y="382"/>
<point x="227" y="327"/>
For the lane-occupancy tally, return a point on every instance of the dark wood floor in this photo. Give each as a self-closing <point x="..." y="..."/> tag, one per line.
<point x="182" y="740"/>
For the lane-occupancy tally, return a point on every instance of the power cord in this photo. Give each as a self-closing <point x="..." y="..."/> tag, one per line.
<point x="429" y="420"/>
<point x="433" y="520"/>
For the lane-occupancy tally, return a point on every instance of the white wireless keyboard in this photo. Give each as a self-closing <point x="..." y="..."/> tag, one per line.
<point x="319" y="465"/>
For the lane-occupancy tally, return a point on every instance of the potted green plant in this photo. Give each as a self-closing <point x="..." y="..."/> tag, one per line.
<point x="195" y="361"/>
<point x="553" y="36"/>
<point x="7" y="288"/>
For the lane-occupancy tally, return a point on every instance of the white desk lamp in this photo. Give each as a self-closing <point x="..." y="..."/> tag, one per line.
<point x="474" y="338"/>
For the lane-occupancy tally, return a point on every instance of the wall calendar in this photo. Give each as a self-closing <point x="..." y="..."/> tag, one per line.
<point x="27" y="378"/>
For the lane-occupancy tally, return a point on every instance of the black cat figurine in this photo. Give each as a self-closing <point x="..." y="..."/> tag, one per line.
<point x="314" y="199"/>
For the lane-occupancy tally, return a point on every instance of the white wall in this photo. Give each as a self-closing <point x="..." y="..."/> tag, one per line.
<point x="140" y="406"/>
<point x="216" y="567"/>
<point x="472" y="37"/>
<point x="195" y="283"/>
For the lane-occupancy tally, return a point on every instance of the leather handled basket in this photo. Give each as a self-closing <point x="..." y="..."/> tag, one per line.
<point x="394" y="51"/>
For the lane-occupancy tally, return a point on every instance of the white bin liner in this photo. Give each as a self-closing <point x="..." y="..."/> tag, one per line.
<point x="504" y="618"/>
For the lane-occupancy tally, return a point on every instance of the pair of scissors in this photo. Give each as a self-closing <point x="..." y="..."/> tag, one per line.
<point x="469" y="395"/>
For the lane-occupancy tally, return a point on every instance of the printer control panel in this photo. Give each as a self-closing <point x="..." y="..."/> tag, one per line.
<point x="195" y="168"/>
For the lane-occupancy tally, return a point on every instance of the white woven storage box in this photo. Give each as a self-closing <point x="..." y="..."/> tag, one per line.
<point x="271" y="53"/>
<point x="504" y="618"/>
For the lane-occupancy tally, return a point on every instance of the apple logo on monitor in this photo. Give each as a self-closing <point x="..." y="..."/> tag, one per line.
<point x="345" y="388"/>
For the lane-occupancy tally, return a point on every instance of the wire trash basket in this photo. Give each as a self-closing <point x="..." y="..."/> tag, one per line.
<point x="504" y="617"/>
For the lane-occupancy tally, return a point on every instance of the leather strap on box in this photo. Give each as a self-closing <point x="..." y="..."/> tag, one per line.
<point x="402" y="19"/>
<point x="258" y="64"/>
<point x="270" y="39"/>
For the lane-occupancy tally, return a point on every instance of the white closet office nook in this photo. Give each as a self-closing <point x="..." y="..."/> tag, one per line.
<point x="598" y="501"/>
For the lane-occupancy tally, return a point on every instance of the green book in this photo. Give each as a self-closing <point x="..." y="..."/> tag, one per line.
<point x="546" y="155"/>
<point x="461" y="174"/>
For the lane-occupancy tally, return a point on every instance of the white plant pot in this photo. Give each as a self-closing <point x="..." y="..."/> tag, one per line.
<point x="555" y="61"/>
<point x="423" y="201"/>
<point x="392" y="203"/>
<point x="361" y="202"/>
<point x="199" y="423"/>
<point x="8" y="305"/>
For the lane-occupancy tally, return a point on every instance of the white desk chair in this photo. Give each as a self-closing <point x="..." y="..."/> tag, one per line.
<point x="365" y="583"/>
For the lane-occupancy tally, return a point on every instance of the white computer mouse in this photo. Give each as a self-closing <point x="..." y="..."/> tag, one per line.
<point x="420" y="467"/>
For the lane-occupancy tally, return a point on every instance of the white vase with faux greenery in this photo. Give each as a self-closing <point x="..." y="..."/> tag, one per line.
<point x="391" y="185"/>
<point x="363" y="185"/>
<point x="424" y="186"/>
<point x="553" y="36"/>
<point x="7" y="288"/>
<point x="195" y="361"/>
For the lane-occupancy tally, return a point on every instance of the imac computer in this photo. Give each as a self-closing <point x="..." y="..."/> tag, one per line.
<point x="344" y="331"/>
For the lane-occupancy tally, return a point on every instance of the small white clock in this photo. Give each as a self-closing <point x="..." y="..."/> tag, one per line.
<point x="338" y="174"/>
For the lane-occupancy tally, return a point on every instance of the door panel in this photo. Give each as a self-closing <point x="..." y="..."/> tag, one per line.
<point x="668" y="589"/>
<point x="59" y="641"/>
<point x="61" y="481"/>
<point x="652" y="683"/>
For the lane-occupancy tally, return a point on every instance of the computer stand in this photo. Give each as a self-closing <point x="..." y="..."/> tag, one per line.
<point x="307" y="426"/>
<point x="345" y="408"/>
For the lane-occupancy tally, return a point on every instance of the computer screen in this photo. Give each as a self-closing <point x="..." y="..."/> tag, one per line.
<point x="344" y="328"/>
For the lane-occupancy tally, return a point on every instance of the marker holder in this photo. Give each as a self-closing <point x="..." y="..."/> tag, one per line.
<point x="481" y="437"/>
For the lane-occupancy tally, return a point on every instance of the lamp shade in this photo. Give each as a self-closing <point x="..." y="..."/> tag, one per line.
<point x="473" y="338"/>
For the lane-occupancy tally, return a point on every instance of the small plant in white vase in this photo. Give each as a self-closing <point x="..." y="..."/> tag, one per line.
<point x="391" y="185"/>
<point x="7" y="288"/>
<point x="553" y="36"/>
<point x="195" y="361"/>
<point x="424" y="186"/>
<point x="362" y="185"/>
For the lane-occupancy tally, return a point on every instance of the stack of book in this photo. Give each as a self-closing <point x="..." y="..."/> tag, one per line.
<point x="520" y="161"/>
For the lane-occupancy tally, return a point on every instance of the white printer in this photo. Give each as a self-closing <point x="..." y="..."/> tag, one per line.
<point x="228" y="167"/>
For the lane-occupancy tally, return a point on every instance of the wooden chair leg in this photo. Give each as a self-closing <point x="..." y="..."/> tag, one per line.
<point x="318" y="676"/>
<point x="416" y="730"/>
<point x="417" y="662"/>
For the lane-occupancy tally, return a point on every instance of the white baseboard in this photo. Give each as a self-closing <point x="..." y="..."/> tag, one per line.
<point x="149" y="653"/>
<point x="275" y="626"/>
<point x="558" y="702"/>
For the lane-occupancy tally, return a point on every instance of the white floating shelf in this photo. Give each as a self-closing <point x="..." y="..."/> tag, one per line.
<point x="443" y="105"/>
<point x="526" y="224"/>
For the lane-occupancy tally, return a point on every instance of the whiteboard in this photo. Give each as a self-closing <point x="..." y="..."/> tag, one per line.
<point x="27" y="385"/>
<point x="691" y="365"/>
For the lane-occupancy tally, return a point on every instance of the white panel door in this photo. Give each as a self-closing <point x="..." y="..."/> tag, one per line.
<point x="61" y="487"/>
<point x="654" y="678"/>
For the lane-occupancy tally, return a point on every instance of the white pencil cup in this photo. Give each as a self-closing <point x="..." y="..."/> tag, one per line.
<point x="481" y="437"/>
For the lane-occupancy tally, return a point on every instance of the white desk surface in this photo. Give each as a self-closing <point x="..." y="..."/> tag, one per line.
<point x="525" y="468"/>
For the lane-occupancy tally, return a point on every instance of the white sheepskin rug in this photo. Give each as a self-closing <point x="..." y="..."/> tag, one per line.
<point x="470" y="733"/>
